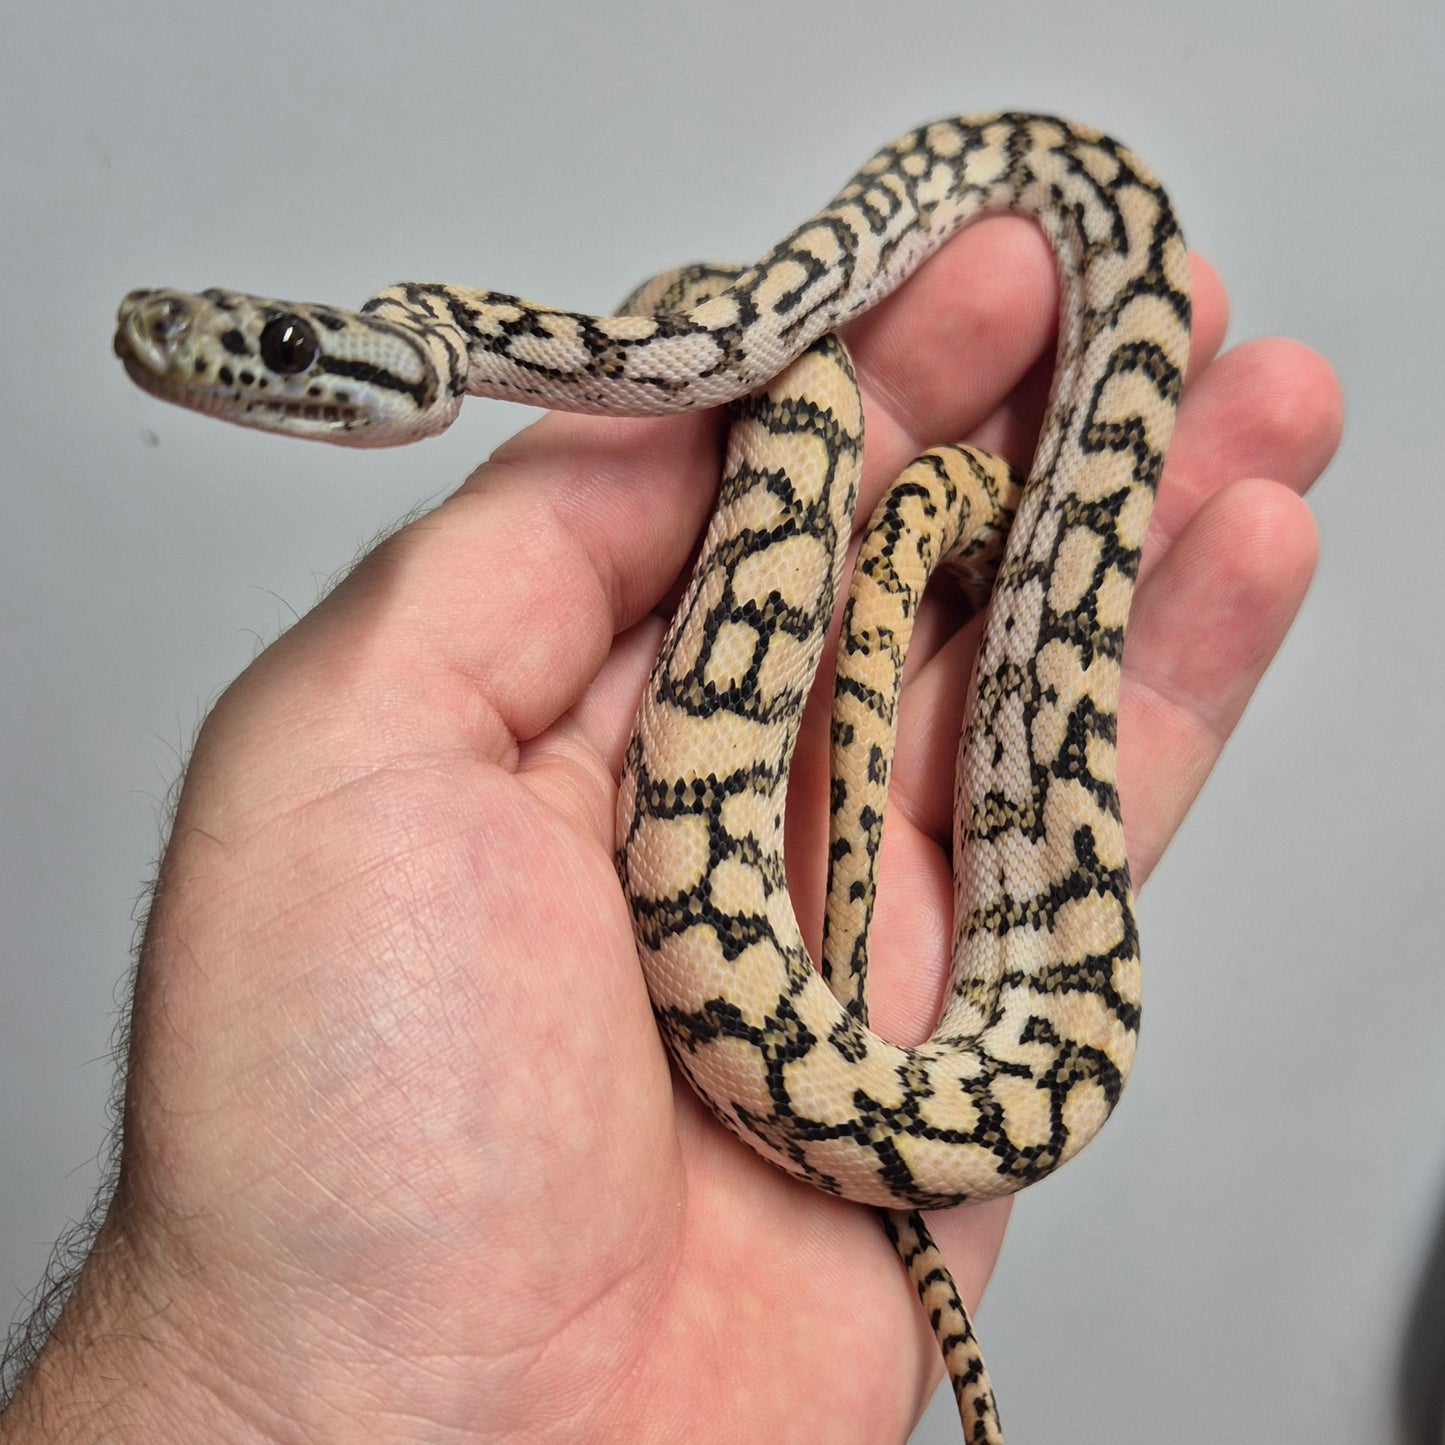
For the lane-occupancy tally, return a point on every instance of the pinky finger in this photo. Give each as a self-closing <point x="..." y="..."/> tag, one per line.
<point x="1207" y="621"/>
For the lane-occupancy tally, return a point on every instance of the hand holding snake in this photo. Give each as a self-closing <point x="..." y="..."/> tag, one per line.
<point x="476" y="1008"/>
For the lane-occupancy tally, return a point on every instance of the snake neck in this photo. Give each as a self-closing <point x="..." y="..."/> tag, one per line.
<point x="658" y="357"/>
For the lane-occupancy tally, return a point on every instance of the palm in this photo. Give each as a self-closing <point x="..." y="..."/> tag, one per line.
<point x="392" y="1042"/>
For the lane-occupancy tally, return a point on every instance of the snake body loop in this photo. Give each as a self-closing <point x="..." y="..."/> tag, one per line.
<point x="1038" y="1029"/>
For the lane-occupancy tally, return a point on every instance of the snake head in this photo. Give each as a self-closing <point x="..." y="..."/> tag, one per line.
<point x="305" y="370"/>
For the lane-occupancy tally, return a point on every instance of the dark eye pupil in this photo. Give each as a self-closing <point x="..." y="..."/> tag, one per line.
<point x="288" y="344"/>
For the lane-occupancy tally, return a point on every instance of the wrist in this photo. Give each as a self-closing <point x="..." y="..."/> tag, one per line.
<point x="125" y="1362"/>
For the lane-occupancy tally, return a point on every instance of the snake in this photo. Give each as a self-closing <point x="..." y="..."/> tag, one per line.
<point x="1039" y="1024"/>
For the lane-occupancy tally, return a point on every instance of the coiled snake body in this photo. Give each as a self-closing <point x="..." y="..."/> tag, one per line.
<point x="1039" y="1028"/>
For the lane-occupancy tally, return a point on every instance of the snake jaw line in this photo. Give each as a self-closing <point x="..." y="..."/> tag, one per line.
<point x="269" y="414"/>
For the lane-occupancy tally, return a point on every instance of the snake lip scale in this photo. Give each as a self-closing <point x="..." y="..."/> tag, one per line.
<point x="272" y="414"/>
<point x="1040" y="1021"/>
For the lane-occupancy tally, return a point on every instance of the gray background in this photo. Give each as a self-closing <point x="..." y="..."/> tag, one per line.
<point x="1254" y="1251"/>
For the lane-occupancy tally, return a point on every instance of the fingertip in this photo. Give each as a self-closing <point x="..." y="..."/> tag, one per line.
<point x="1307" y="405"/>
<point x="1299" y="385"/>
<point x="1269" y="408"/>
<point x="1285" y="408"/>
<point x="1210" y="315"/>
<point x="1268" y="534"/>
<point x="1216" y="609"/>
<point x="1206" y="624"/>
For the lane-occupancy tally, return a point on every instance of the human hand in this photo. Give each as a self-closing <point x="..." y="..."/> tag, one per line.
<point x="404" y="1157"/>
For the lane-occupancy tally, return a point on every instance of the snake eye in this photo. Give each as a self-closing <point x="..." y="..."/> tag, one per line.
<point x="288" y="344"/>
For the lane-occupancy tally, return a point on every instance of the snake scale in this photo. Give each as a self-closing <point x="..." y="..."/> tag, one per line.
<point x="1040" y="1022"/>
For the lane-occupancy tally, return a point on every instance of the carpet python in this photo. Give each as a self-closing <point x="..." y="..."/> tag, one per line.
<point x="1039" y="1027"/>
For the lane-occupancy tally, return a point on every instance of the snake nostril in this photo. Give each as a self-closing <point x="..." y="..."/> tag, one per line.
<point x="168" y="319"/>
<point x="151" y="329"/>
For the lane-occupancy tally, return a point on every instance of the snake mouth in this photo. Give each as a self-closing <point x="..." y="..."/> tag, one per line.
<point x="266" y="411"/>
<point x="300" y="414"/>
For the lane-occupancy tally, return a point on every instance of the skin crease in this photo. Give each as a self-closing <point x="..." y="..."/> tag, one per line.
<point x="403" y="1157"/>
